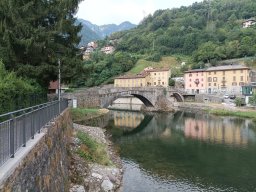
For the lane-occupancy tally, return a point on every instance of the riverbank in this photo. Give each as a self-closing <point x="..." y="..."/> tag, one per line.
<point x="218" y="109"/>
<point x="89" y="172"/>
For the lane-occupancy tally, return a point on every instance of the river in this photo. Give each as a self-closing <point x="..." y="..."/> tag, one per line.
<point x="167" y="152"/>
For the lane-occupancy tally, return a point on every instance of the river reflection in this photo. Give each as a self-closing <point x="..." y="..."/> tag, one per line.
<point x="185" y="151"/>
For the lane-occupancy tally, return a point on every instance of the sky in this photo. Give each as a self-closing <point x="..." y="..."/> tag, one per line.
<point x="102" y="12"/>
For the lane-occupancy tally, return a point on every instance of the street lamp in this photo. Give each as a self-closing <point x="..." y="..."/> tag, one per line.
<point x="59" y="79"/>
<point x="59" y="83"/>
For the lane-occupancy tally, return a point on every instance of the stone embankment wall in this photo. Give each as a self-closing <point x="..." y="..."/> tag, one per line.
<point x="85" y="98"/>
<point x="203" y="98"/>
<point x="45" y="168"/>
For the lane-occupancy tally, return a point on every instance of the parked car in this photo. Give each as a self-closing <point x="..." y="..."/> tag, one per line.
<point x="232" y="96"/>
<point x="226" y="96"/>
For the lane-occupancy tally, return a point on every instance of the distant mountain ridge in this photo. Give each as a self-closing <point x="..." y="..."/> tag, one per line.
<point x="92" y="32"/>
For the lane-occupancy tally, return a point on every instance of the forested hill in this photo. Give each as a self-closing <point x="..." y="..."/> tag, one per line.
<point x="210" y="30"/>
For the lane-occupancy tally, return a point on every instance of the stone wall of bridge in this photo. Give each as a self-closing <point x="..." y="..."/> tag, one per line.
<point x="45" y="167"/>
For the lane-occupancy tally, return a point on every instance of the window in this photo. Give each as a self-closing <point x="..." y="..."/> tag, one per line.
<point x="234" y="83"/>
<point x="209" y="84"/>
<point x="214" y="79"/>
<point x="197" y="74"/>
<point x="155" y="73"/>
<point x="241" y="83"/>
<point x="234" y="71"/>
<point x="162" y="83"/>
<point x="154" y="83"/>
<point x="223" y="78"/>
<point x="190" y="85"/>
<point x="202" y="79"/>
<point x="234" y="78"/>
<point x="214" y="72"/>
<point x="209" y="79"/>
<point x="241" y="78"/>
<point x="202" y="85"/>
<point x="215" y="84"/>
<point x="209" y="73"/>
<point x="190" y="74"/>
<point x="190" y="80"/>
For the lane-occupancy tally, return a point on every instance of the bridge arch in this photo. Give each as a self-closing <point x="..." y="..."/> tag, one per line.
<point x="178" y="97"/>
<point x="143" y="99"/>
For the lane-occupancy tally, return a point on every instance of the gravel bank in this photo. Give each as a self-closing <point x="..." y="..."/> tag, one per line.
<point x="92" y="177"/>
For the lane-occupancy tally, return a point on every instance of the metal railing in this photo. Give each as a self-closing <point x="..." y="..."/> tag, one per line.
<point x="17" y="127"/>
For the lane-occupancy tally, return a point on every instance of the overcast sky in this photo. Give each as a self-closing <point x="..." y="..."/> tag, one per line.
<point x="102" y="12"/>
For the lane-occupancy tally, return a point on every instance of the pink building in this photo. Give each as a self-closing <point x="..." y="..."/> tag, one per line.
<point x="195" y="81"/>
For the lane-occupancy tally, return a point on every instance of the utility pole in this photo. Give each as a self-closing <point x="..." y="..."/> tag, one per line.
<point x="59" y="84"/>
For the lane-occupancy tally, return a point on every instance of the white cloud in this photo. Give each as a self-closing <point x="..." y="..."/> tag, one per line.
<point x="117" y="11"/>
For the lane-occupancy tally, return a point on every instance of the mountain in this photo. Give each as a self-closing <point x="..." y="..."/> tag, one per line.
<point x="92" y="32"/>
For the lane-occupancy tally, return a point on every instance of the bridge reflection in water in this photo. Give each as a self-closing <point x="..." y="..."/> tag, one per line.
<point x="227" y="130"/>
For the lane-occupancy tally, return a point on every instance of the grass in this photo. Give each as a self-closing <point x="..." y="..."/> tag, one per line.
<point x="91" y="150"/>
<point x="84" y="113"/>
<point x="245" y="114"/>
<point x="170" y="62"/>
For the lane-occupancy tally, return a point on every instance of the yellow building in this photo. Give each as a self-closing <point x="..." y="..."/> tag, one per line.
<point x="148" y="77"/>
<point x="226" y="79"/>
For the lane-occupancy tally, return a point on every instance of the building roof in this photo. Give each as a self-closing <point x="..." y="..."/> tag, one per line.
<point x="251" y="19"/>
<point x="54" y="85"/>
<point x="157" y="69"/>
<point x="227" y="67"/>
<point x="219" y="68"/>
<point x="138" y="76"/>
<point x="195" y="70"/>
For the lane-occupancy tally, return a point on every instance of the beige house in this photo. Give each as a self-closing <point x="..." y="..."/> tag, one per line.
<point x="148" y="77"/>
<point x="225" y="79"/>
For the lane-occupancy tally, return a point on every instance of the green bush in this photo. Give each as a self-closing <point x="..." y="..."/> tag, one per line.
<point x="15" y="92"/>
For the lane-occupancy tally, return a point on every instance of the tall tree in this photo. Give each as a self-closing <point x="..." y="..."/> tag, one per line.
<point x="34" y="32"/>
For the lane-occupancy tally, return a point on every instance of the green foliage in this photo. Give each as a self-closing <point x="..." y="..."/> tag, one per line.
<point x="92" y="150"/>
<point x="15" y="92"/>
<point x="238" y="101"/>
<point x="209" y="30"/>
<point x="84" y="113"/>
<point x="33" y="33"/>
<point x="252" y="99"/>
<point x="245" y="114"/>
<point x="171" y="82"/>
<point x="101" y="68"/>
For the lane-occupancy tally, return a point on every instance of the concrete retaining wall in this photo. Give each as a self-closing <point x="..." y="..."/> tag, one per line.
<point x="45" y="167"/>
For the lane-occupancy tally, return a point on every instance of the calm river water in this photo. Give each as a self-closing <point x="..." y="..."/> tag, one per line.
<point x="185" y="152"/>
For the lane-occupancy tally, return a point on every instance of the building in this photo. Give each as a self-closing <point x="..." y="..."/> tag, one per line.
<point x="148" y="77"/>
<point x="224" y="79"/>
<point x="108" y="49"/>
<point x="195" y="81"/>
<point x="54" y="87"/>
<point x="249" y="23"/>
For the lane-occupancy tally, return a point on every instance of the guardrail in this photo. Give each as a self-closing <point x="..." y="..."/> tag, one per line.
<point x="17" y="127"/>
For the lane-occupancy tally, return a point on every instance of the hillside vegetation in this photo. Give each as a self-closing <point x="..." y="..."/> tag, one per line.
<point x="208" y="31"/>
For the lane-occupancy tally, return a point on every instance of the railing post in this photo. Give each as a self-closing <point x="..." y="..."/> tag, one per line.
<point x="12" y="124"/>
<point x="32" y="125"/>
<point x="24" y="129"/>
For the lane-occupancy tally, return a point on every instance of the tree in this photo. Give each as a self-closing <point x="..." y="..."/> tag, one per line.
<point x="33" y="32"/>
<point x="252" y="100"/>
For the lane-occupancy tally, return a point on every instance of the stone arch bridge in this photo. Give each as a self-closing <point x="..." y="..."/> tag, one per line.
<point x="150" y="96"/>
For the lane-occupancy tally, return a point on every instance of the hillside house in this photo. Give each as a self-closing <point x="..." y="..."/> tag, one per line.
<point x="108" y="49"/>
<point x="249" y="23"/>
